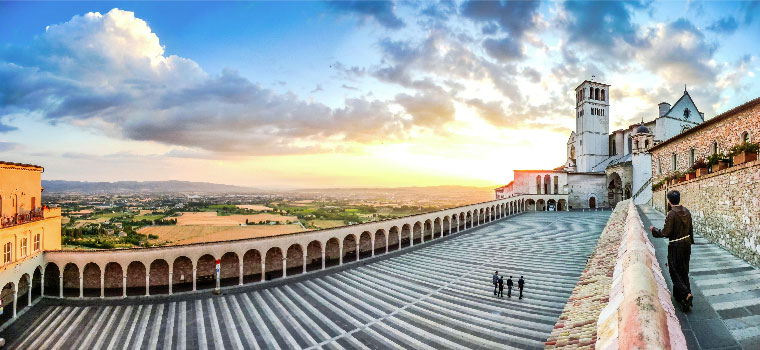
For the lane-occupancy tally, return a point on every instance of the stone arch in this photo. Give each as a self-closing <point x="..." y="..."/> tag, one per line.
<point x="37" y="283"/>
<point x="462" y="222"/>
<point x="627" y="192"/>
<point x="468" y="222"/>
<point x="182" y="274"/>
<point x="6" y="295"/>
<point x="24" y="287"/>
<point x="592" y="202"/>
<point x="294" y="259"/>
<point x="406" y="235"/>
<point x="427" y="230"/>
<point x="229" y="269"/>
<point x="158" y="277"/>
<point x="365" y="245"/>
<point x="380" y="243"/>
<point x="71" y="280"/>
<point x="113" y="280"/>
<point x="313" y="256"/>
<point x="350" y="248"/>
<point x="91" y="280"/>
<point x="540" y="205"/>
<point x="332" y="252"/>
<point x="437" y="228"/>
<point x="493" y="213"/>
<point x="603" y="95"/>
<point x="531" y="204"/>
<point x="135" y="278"/>
<point x="745" y="137"/>
<point x="205" y="272"/>
<point x="551" y="204"/>
<point x="252" y="266"/>
<point x="547" y="184"/>
<point x="394" y="240"/>
<point x="562" y="205"/>
<point x="417" y="232"/>
<point x="52" y="279"/>
<point x="538" y="184"/>
<point x="273" y="263"/>
<point x="487" y="216"/>
<point x="614" y="188"/>
<point x="446" y="226"/>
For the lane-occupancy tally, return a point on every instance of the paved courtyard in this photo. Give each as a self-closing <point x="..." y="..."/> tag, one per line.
<point x="438" y="296"/>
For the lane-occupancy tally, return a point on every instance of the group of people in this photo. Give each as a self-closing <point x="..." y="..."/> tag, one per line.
<point x="498" y="285"/>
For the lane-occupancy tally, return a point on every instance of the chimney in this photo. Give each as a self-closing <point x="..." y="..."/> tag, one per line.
<point x="664" y="108"/>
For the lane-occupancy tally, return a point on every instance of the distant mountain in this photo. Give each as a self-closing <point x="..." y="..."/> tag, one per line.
<point x="59" y="186"/>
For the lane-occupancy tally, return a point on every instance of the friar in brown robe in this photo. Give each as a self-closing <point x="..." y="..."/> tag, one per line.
<point x="680" y="233"/>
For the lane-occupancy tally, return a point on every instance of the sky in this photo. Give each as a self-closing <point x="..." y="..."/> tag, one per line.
<point x="347" y="94"/>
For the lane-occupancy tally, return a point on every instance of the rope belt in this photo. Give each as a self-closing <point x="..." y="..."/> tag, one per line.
<point x="680" y="239"/>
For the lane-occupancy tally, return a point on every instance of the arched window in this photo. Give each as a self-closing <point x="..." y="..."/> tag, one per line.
<point x="745" y="136"/>
<point x="603" y="96"/>
<point x="596" y="94"/>
<point x="538" y="184"/>
<point x="7" y="248"/>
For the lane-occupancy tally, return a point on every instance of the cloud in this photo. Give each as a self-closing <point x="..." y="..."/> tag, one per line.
<point x="680" y="52"/>
<point x="384" y="12"/>
<point x="9" y="146"/>
<point x="428" y="109"/>
<point x="725" y="25"/>
<point x="110" y="72"/>
<point x="513" y="17"/>
<point x="6" y="128"/>
<point x="504" y="49"/>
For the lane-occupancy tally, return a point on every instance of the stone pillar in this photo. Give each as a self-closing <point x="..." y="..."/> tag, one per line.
<point x="15" y="299"/>
<point x="194" y="272"/>
<point x="240" y="267"/>
<point x="147" y="284"/>
<point x="323" y="258"/>
<point x="411" y="236"/>
<point x="171" y="281"/>
<point x="386" y="241"/>
<point x="124" y="285"/>
<point x="29" y="294"/>
<point x="81" y="286"/>
<point x="422" y="234"/>
<point x="285" y="267"/>
<point x="60" y="285"/>
<point x="304" y="262"/>
<point x="42" y="284"/>
<point x="357" y="250"/>
<point x="340" y="258"/>
<point x="263" y="269"/>
<point x="102" y="287"/>
<point x="372" y="242"/>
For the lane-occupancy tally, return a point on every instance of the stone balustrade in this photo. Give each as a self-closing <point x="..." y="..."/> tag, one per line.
<point x="639" y="314"/>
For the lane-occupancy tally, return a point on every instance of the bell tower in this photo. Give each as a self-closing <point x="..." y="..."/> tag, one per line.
<point x="592" y="124"/>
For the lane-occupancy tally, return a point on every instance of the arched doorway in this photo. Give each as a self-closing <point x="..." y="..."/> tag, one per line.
<point x="380" y="242"/>
<point x="551" y="205"/>
<point x="71" y="280"/>
<point x="332" y="252"/>
<point x="417" y="232"/>
<point x="229" y="269"/>
<point x="313" y="256"/>
<point x="205" y="272"/>
<point x="113" y="280"/>
<point x="294" y="260"/>
<point x="37" y="283"/>
<point x="614" y="188"/>
<point x="135" y="278"/>
<point x="540" y="205"/>
<point x="406" y="235"/>
<point x="273" y="264"/>
<point x="592" y="202"/>
<point x="252" y="266"/>
<point x="447" y="225"/>
<point x="159" y="277"/>
<point x="393" y="239"/>
<point x="91" y="280"/>
<point x="349" y="248"/>
<point x="52" y="279"/>
<point x="182" y="274"/>
<point x="365" y="245"/>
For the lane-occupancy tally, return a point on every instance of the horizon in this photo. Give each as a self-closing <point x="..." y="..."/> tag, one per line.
<point x="347" y="95"/>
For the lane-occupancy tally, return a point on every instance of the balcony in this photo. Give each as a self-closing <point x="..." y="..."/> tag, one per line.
<point x="31" y="216"/>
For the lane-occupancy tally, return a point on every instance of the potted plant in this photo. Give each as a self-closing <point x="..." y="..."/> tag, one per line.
<point x="744" y="152"/>
<point x="675" y="178"/>
<point x="681" y="177"/>
<point x="717" y="162"/>
<point x="700" y="167"/>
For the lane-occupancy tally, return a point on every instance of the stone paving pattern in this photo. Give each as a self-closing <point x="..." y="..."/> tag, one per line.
<point x="439" y="296"/>
<point x="726" y="289"/>
<point x="576" y="327"/>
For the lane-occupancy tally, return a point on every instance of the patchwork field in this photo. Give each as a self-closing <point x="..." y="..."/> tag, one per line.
<point x="205" y="233"/>
<point x="256" y="207"/>
<point x="327" y="223"/>
<point x="210" y="218"/>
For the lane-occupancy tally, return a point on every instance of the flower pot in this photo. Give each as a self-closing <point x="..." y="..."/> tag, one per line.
<point x="682" y="178"/>
<point x="691" y="176"/>
<point x="744" y="157"/>
<point x="701" y="172"/>
<point x="673" y="182"/>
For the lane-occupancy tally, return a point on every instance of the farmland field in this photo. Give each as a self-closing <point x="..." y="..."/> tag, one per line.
<point x="205" y="233"/>
<point x="256" y="207"/>
<point x="210" y="218"/>
<point x="327" y="223"/>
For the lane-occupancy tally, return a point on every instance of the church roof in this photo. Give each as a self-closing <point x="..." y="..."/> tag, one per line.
<point x="591" y="81"/>
<point x="685" y="96"/>
<point x="642" y="129"/>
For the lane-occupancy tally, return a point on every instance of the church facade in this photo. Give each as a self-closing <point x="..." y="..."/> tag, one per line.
<point x="603" y="167"/>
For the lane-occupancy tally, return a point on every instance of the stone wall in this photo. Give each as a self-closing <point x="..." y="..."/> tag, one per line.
<point x="725" y="207"/>
<point x="582" y="186"/>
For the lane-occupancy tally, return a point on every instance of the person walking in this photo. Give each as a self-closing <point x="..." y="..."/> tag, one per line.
<point x="495" y="282"/>
<point x="501" y="287"/>
<point x="680" y="234"/>
<point x="509" y="287"/>
<point x="520" y="285"/>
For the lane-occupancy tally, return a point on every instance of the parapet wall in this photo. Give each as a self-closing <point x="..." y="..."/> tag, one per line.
<point x="640" y="314"/>
<point x="621" y="300"/>
<point x="725" y="207"/>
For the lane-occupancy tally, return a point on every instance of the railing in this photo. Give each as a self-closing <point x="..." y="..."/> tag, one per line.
<point x="641" y="189"/>
<point x="20" y="219"/>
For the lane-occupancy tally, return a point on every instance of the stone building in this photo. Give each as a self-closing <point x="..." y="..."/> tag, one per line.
<point x="724" y="204"/>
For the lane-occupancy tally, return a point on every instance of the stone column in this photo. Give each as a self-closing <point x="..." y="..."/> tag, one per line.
<point x="42" y="284"/>
<point x="15" y="299"/>
<point x="411" y="236"/>
<point x="358" y="247"/>
<point x="81" y="286"/>
<point x="323" y="258"/>
<point x="263" y="269"/>
<point x="194" y="272"/>
<point x="171" y="281"/>
<point x="102" y="287"/>
<point x="422" y="234"/>
<point x="29" y="294"/>
<point x="386" y="241"/>
<point x="240" y="267"/>
<point x="147" y="284"/>
<point x="285" y="267"/>
<point x="372" y="242"/>
<point x="124" y="285"/>
<point x="340" y="258"/>
<point x="304" y="262"/>
<point x="60" y="285"/>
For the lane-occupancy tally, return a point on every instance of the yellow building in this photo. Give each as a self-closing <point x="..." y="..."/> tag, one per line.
<point x="26" y="230"/>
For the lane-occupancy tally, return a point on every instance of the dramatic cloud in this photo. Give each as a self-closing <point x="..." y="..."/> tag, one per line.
<point x="504" y="49"/>
<point x="110" y="72"/>
<point x="431" y="110"/>
<point x="680" y="52"/>
<point x="384" y="12"/>
<point x="513" y="17"/>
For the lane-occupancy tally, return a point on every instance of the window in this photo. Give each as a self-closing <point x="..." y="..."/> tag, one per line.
<point x="556" y="184"/>
<point x="715" y="147"/>
<point x="675" y="160"/>
<point x="745" y="137"/>
<point x="603" y="99"/>
<point x="538" y="184"/>
<point x="659" y="166"/>
<point x="24" y="245"/>
<point x="691" y="157"/>
<point x="36" y="242"/>
<point x="7" y="252"/>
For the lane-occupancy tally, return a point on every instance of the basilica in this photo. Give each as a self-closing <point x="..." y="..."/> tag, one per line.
<point x="603" y="167"/>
